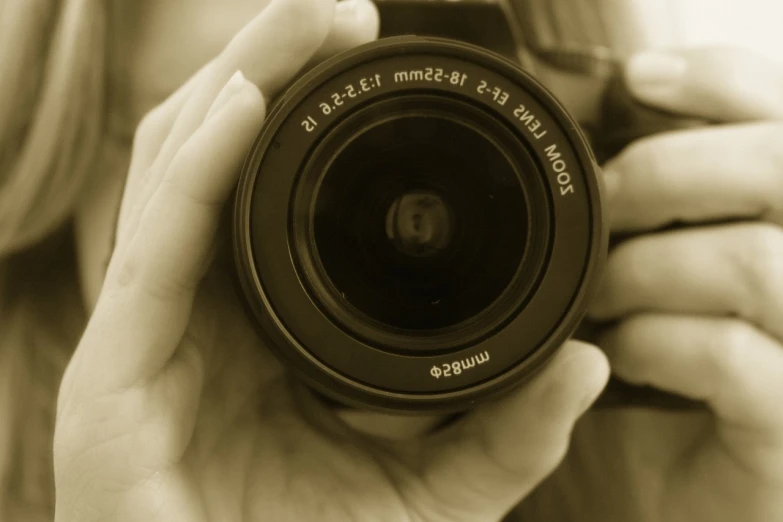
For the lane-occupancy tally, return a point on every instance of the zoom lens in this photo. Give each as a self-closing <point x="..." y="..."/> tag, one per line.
<point x="418" y="226"/>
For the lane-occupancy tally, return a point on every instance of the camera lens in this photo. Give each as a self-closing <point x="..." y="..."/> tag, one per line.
<point x="418" y="226"/>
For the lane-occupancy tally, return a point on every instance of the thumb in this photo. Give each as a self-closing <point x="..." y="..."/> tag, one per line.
<point x="721" y="84"/>
<point x="481" y="467"/>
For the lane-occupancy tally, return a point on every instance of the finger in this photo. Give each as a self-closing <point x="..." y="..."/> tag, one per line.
<point x="708" y="174"/>
<point x="269" y="51"/>
<point x="482" y="466"/>
<point x="150" y="134"/>
<point x="721" y="270"/>
<point x="388" y="426"/>
<point x="728" y="363"/>
<point x="719" y="84"/>
<point x="145" y="306"/>
<point x="355" y="22"/>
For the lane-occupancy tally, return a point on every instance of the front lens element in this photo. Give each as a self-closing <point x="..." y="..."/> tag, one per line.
<point x="420" y="222"/>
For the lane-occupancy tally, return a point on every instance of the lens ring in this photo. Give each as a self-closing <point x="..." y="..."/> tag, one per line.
<point x="354" y="371"/>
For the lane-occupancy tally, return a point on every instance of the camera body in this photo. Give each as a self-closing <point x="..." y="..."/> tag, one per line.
<point x="490" y="24"/>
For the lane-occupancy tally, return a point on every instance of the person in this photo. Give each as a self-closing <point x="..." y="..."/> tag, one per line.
<point x="170" y="409"/>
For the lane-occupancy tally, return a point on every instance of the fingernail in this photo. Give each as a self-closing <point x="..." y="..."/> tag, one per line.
<point x="347" y="6"/>
<point x="232" y="88"/>
<point x="655" y="69"/>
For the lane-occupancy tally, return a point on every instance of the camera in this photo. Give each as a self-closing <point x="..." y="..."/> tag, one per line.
<point x="419" y="226"/>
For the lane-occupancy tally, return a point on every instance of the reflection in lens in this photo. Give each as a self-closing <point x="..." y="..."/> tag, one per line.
<point x="419" y="224"/>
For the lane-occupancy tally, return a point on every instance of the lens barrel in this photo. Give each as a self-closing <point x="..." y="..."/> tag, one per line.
<point x="418" y="226"/>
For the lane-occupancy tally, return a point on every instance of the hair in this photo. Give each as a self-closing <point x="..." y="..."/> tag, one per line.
<point x="52" y="62"/>
<point x="51" y="97"/>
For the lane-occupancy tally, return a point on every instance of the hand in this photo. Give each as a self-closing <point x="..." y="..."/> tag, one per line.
<point x="172" y="409"/>
<point x="696" y="310"/>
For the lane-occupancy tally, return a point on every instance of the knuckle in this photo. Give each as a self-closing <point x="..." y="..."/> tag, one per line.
<point x="737" y="336"/>
<point x="626" y="347"/>
<point x="127" y="269"/>
<point x="136" y="274"/>
<point x="161" y="441"/>
<point x="551" y="449"/>
<point x="554" y="456"/>
<point x="735" y="341"/>
<point x="644" y="157"/>
<point x="181" y="192"/>
<point x="651" y="164"/>
<point x="165" y="289"/>
<point x="186" y="158"/>
<point x="634" y="266"/>
<point x="762" y="268"/>
<point x="152" y="126"/>
<point x="771" y="145"/>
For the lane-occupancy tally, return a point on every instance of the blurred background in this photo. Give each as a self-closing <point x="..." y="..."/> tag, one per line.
<point x="755" y="24"/>
<point x="648" y="23"/>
